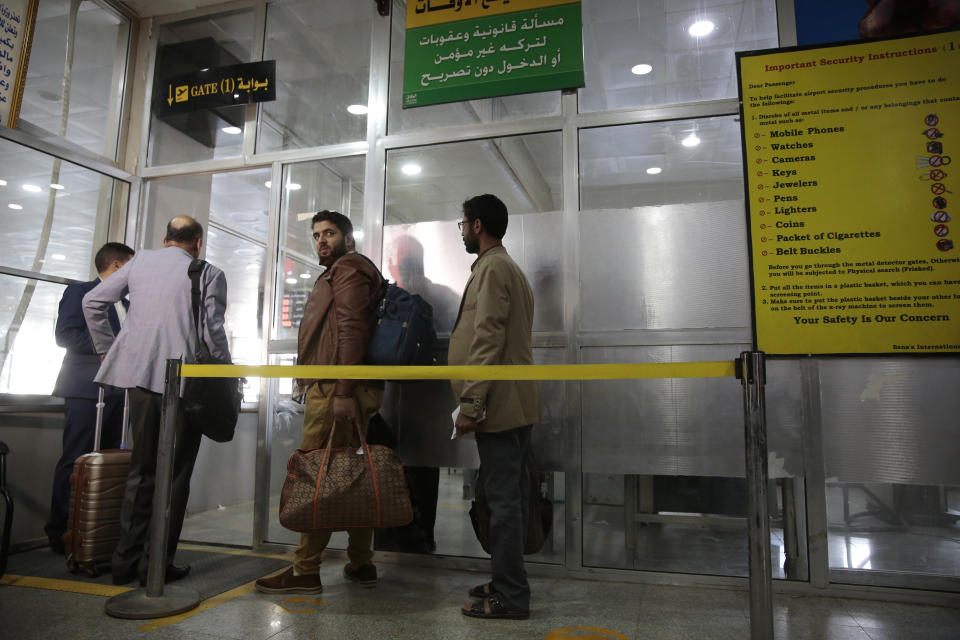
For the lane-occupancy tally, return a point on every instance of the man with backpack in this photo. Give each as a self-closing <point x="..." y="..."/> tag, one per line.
<point x="338" y="322"/>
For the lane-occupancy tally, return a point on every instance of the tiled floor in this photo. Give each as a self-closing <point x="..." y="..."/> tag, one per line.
<point x="423" y="603"/>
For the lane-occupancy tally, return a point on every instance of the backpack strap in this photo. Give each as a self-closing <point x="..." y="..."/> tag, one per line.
<point x="195" y="269"/>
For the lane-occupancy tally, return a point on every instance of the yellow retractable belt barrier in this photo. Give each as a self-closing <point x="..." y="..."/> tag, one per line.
<point x="723" y="369"/>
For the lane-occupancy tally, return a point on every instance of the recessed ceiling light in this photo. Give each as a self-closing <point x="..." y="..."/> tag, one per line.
<point x="654" y="170"/>
<point x="3" y="183"/>
<point x="232" y="130"/>
<point x="293" y="186"/>
<point x="291" y="281"/>
<point x="641" y="69"/>
<point x="304" y="275"/>
<point x="411" y="169"/>
<point x="690" y="141"/>
<point x="701" y="28"/>
<point x="54" y="185"/>
<point x="267" y="184"/>
<point x="358" y="109"/>
<point x="15" y="206"/>
<point x="58" y="256"/>
<point x="32" y="188"/>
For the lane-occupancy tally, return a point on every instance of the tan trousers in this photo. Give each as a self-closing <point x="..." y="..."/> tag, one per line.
<point x="317" y="422"/>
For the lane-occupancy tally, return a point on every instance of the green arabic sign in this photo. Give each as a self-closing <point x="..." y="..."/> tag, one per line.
<point x="539" y="50"/>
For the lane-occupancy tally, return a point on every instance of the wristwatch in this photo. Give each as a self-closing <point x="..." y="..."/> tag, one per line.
<point x="472" y="407"/>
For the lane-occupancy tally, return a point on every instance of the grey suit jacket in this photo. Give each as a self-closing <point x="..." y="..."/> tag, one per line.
<point x="159" y="324"/>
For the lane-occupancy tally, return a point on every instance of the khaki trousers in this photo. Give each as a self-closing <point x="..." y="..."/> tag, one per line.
<point x="317" y="422"/>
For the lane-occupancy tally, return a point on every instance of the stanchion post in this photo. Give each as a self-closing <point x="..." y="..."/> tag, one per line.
<point x="752" y="373"/>
<point x="155" y="601"/>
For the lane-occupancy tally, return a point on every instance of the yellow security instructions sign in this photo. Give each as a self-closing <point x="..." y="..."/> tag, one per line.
<point x="852" y="195"/>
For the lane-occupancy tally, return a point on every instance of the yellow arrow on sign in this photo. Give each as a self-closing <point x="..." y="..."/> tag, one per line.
<point x="170" y="92"/>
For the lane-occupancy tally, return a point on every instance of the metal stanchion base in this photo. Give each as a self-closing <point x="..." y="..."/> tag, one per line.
<point x="137" y="605"/>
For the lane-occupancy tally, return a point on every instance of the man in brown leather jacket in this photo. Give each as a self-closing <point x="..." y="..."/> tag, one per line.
<point x="337" y="323"/>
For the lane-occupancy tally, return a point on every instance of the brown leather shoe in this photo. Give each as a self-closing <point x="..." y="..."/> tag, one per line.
<point x="286" y="582"/>
<point x="364" y="575"/>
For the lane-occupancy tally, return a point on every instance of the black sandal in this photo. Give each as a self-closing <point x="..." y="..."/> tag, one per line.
<point x="482" y="591"/>
<point x="492" y="608"/>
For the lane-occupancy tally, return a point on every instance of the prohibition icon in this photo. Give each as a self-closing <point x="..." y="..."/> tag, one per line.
<point x="940" y="216"/>
<point x="933" y="133"/>
<point x="945" y="244"/>
<point x="939" y="202"/>
<point x="931" y="120"/>
<point x="935" y="175"/>
<point x="938" y="187"/>
<point x="941" y="230"/>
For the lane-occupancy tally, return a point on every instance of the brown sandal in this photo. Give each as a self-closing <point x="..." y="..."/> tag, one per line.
<point x="492" y="608"/>
<point x="482" y="591"/>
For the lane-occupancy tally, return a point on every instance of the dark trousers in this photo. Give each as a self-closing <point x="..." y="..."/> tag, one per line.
<point x="502" y="456"/>
<point x="135" y="514"/>
<point x="80" y="423"/>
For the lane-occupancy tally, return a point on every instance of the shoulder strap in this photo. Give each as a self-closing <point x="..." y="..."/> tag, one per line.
<point x="194" y="271"/>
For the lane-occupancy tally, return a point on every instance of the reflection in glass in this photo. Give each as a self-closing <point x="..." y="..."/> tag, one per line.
<point x="28" y="315"/>
<point x="691" y="207"/>
<point x="95" y="81"/>
<point x="618" y="37"/>
<point x="528" y="105"/>
<point x="309" y="187"/>
<point x="217" y="40"/>
<point x="322" y="51"/>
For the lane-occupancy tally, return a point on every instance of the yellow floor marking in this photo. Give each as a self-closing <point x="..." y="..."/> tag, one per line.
<point x="315" y="601"/>
<point x="215" y="601"/>
<point x="70" y="586"/>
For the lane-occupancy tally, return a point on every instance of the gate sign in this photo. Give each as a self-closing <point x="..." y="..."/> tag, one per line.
<point x="468" y="49"/>
<point x="218" y="87"/>
<point x="853" y="197"/>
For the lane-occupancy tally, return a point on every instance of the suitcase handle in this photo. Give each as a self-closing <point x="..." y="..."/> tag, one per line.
<point x="123" y="426"/>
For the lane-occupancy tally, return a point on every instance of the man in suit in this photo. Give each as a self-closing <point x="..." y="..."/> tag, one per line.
<point x="494" y="326"/>
<point x="159" y="326"/>
<point x="75" y="385"/>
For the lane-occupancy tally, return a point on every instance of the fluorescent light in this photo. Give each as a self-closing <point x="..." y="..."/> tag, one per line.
<point x="411" y="169"/>
<point x="304" y="275"/>
<point x="291" y="281"/>
<point x="15" y="206"/>
<point x="232" y="130"/>
<point x="358" y="109"/>
<point x="690" y="141"/>
<point x="32" y="188"/>
<point x="293" y="186"/>
<point x="54" y="185"/>
<point x="58" y="256"/>
<point x="641" y="69"/>
<point x="701" y="28"/>
<point x="654" y="170"/>
<point x="3" y="183"/>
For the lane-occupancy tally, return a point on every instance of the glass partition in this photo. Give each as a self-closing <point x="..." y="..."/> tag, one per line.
<point x="308" y="187"/>
<point x="323" y="71"/>
<point x="95" y="81"/>
<point x="641" y="54"/>
<point x="30" y="355"/>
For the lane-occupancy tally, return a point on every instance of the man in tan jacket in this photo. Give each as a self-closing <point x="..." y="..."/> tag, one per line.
<point x="494" y="326"/>
<point x="337" y="324"/>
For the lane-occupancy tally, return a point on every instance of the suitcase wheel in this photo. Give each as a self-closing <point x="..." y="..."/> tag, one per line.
<point x="91" y="571"/>
<point x="72" y="566"/>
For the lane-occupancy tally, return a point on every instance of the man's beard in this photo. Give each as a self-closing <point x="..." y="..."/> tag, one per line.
<point x="335" y="253"/>
<point x="471" y="243"/>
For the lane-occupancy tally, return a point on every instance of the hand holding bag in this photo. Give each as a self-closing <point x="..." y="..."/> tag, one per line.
<point x="211" y="405"/>
<point x="344" y="488"/>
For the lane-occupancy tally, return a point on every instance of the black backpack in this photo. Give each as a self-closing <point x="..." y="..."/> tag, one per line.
<point x="404" y="334"/>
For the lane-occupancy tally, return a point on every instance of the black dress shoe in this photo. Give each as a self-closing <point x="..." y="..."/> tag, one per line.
<point x="56" y="545"/>
<point x="172" y="574"/>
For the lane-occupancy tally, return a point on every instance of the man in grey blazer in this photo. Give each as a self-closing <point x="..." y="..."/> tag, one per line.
<point x="159" y="325"/>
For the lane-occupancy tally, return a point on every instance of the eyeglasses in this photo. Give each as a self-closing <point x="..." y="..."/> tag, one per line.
<point x="461" y="222"/>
